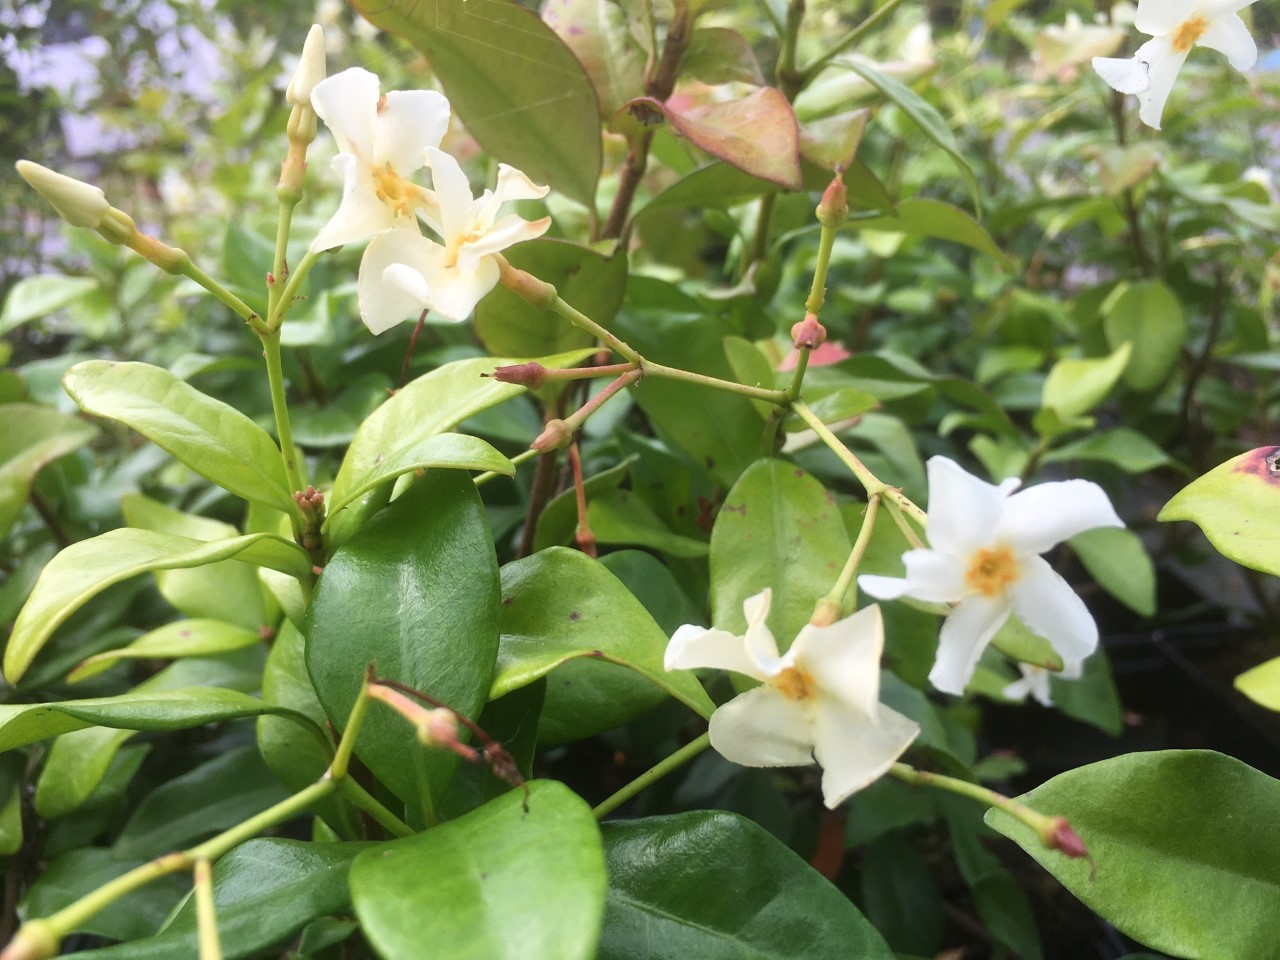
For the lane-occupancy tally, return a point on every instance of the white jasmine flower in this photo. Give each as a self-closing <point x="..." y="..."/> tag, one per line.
<point x="1035" y="682"/>
<point x="404" y="272"/>
<point x="821" y="699"/>
<point x="1175" y="26"/>
<point x="381" y="143"/>
<point x="983" y="556"/>
<point x="311" y="69"/>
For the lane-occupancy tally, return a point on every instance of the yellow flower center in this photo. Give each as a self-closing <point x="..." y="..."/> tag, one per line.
<point x="1188" y="32"/>
<point x="991" y="571"/>
<point x="794" y="684"/>
<point x="395" y="191"/>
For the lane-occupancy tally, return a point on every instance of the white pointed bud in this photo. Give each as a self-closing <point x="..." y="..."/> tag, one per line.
<point x="311" y="69"/>
<point x="80" y="204"/>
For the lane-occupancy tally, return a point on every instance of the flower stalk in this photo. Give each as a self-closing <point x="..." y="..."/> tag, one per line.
<point x="652" y="775"/>
<point x="206" y="913"/>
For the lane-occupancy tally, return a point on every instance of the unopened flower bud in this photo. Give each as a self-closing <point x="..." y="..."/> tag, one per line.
<point x="1067" y="840"/>
<point x="438" y="728"/>
<point x="528" y="375"/>
<point x="833" y="209"/>
<point x="308" y="499"/>
<point x="808" y="334"/>
<point x="555" y="434"/>
<point x="525" y="285"/>
<point x="311" y="69"/>
<point x="35" y="940"/>
<point x="80" y="204"/>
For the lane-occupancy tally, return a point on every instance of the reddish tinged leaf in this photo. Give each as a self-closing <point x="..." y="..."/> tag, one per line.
<point x="833" y="141"/>
<point x="720" y="55"/>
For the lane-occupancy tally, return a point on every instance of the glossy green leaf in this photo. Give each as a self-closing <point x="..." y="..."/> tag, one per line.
<point x="513" y="722"/>
<point x="1237" y="505"/>
<point x="921" y="217"/>
<point x="559" y="520"/>
<point x="1092" y="698"/>
<point x="900" y="896"/>
<point x="85" y="569"/>
<point x="518" y="88"/>
<point x="1120" y="563"/>
<point x="778" y="529"/>
<point x="622" y="517"/>
<point x="11" y="803"/>
<point x="432" y="404"/>
<point x="1016" y="640"/>
<point x="1148" y="315"/>
<point x="264" y="892"/>
<point x="415" y="593"/>
<point x="499" y="883"/>
<point x="1184" y="855"/>
<point x="560" y="604"/>
<point x="717" y="886"/>
<point x="30" y="438"/>
<point x="1076" y="385"/>
<point x="214" y="439"/>
<point x="1131" y="451"/>
<point x="1262" y="684"/>
<point x="923" y="116"/>
<point x="32" y="298"/>
<point x="833" y="142"/>
<point x="182" y="638"/>
<point x="720" y="185"/>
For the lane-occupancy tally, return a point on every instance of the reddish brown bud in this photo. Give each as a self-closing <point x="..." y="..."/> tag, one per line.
<point x="555" y="435"/>
<point x="833" y="209"/>
<point x="309" y="499"/>
<point x="808" y="334"/>
<point x="1067" y="840"/>
<point x="528" y="375"/>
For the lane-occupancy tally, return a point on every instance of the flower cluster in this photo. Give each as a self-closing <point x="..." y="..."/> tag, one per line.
<point x="384" y="140"/>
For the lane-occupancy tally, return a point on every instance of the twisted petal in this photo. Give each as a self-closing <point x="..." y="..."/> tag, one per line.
<point x="1034" y="683"/>
<point x="1164" y="63"/>
<point x="1127" y="76"/>
<point x="844" y="659"/>
<point x="453" y="194"/>
<point x="1047" y="604"/>
<point x="391" y="286"/>
<point x="455" y="292"/>
<point x="361" y="214"/>
<point x="1230" y="37"/>
<point x="965" y="634"/>
<point x="762" y="728"/>
<point x="692" y="647"/>
<point x="347" y="102"/>
<point x="507" y="232"/>
<point x="1038" y="518"/>
<point x="758" y="640"/>
<point x="963" y="510"/>
<point x="407" y="124"/>
<point x="854" y="750"/>
<point x="1157" y="17"/>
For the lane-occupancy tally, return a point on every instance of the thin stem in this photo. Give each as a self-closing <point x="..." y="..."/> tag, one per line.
<point x="581" y="320"/>
<point x="1045" y="827"/>
<point x="225" y="296"/>
<point x="276" y="316"/>
<point x="652" y="775"/>
<point x="790" y="80"/>
<point x="206" y="913"/>
<point x="342" y="756"/>
<point x="837" y="593"/>
<point x="362" y="798"/>
<point x="872" y="484"/>
<point x="818" y="289"/>
<point x="584" y="537"/>
<point x="652" y="369"/>
<point x="809" y="73"/>
<point x="284" y="430"/>
<point x="576" y="419"/>
<point x="279" y="263"/>
<point x="517" y="460"/>
<point x="900" y="521"/>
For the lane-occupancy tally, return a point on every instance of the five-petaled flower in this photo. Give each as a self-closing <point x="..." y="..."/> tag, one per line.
<point x="403" y="272"/>
<point x="821" y="699"/>
<point x="1175" y="26"/>
<point x="382" y="142"/>
<point x="983" y="556"/>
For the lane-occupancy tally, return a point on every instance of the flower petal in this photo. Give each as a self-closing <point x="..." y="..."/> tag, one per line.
<point x="453" y="193"/>
<point x="965" y="634"/>
<point x="692" y="647"/>
<point x="1127" y="76"/>
<point x="759" y="640"/>
<point x="361" y="214"/>
<point x="406" y="124"/>
<point x="1230" y="37"/>
<point x="1038" y="518"/>
<point x="1156" y="17"/>
<point x="883" y="588"/>
<point x="347" y="102"/>
<point x="1034" y="682"/>
<point x="454" y="292"/>
<point x="855" y="751"/>
<point x="1047" y="604"/>
<point x="844" y="659"/>
<point x="514" y="185"/>
<point x="762" y="728"/>
<point x="507" y="232"/>
<point x="1164" y="64"/>
<point x="387" y="294"/>
<point x="963" y="510"/>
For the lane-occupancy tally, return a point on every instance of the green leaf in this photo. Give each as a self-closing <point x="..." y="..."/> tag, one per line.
<point x="1237" y="505"/>
<point x="596" y="31"/>
<point x="559" y="520"/>
<point x="499" y="883"/>
<point x="85" y="569"/>
<point x="1076" y="385"/>
<point x="720" y="185"/>
<point x="415" y="593"/>
<point x="778" y="529"/>
<point x="942" y="221"/>
<point x="716" y="886"/>
<point x="264" y="892"/>
<point x="1148" y="315"/>
<point x="1120" y="563"/>
<point x="182" y="638"/>
<point x="1017" y="641"/>
<point x="901" y="897"/>
<point x="1184" y="855"/>
<point x="162" y="710"/>
<point x="432" y="404"/>
<point x="214" y="439"/>
<point x="31" y="437"/>
<point x="1131" y="451"/>
<point x="622" y="517"/>
<point x="11" y="802"/>
<point x="1262" y="684"/>
<point x="923" y="116"/>
<point x="1092" y="698"/>
<point x="510" y="326"/>
<point x="560" y="604"/>
<point x="34" y="297"/>
<point x="516" y="86"/>
<point x="513" y="722"/>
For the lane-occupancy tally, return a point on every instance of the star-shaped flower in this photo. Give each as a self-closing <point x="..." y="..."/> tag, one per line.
<point x="404" y="272"/>
<point x="821" y="699"/>
<point x="983" y="556"/>
<point x="1175" y="26"/>
<point x="382" y="142"/>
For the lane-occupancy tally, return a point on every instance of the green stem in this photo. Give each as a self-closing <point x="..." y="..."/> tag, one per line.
<point x="652" y="369"/>
<point x="818" y="289"/>
<point x="279" y="263"/>
<point x="342" y="756"/>
<point x="206" y="913"/>
<point x="870" y="482"/>
<point x="276" y="316"/>
<point x="790" y="80"/>
<point x="581" y="320"/>
<point x="518" y="459"/>
<point x="907" y="531"/>
<point x="363" y="799"/>
<point x="284" y="431"/>
<point x="809" y="73"/>
<point x="576" y="419"/>
<point x="652" y="775"/>
<point x="229" y="299"/>
<point x="836" y="595"/>
<point x="1044" y="826"/>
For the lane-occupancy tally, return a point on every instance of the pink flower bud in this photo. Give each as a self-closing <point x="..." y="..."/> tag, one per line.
<point x="808" y="333"/>
<point x="555" y="435"/>
<point x="528" y="375"/>
<point x="1067" y="840"/>
<point x="833" y="209"/>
